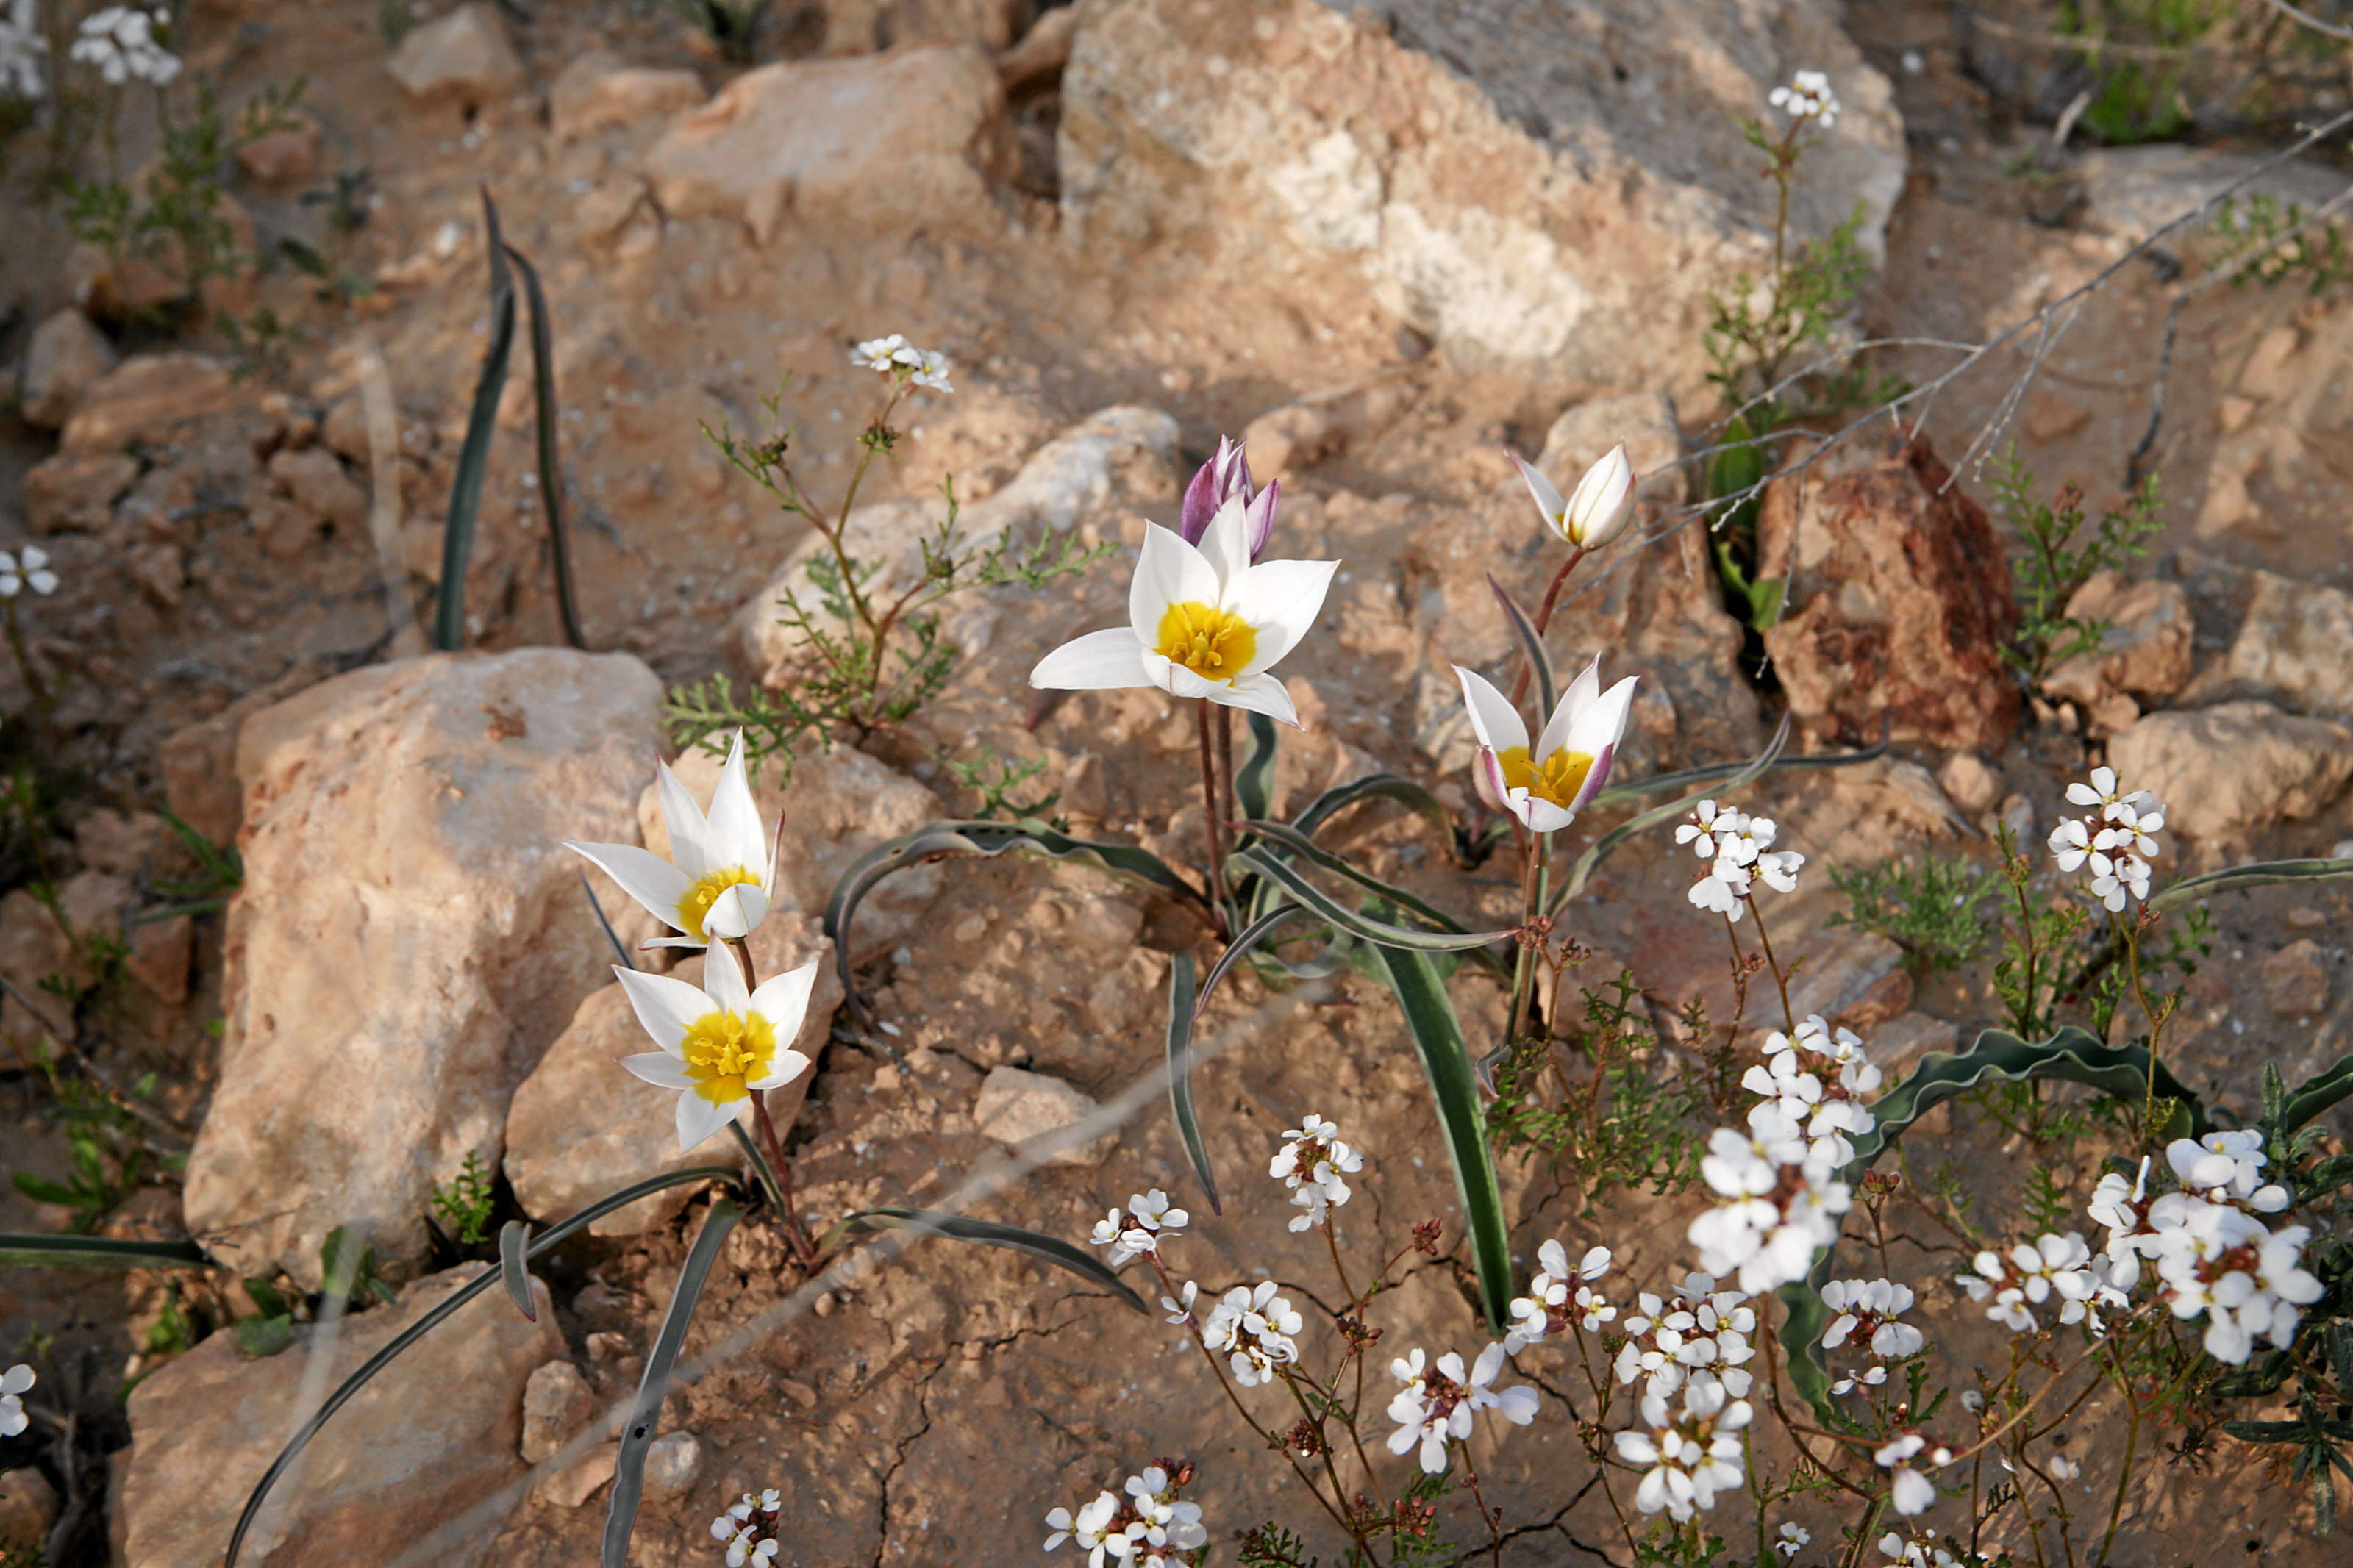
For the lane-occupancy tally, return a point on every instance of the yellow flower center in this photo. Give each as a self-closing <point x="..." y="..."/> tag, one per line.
<point x="696" y="901"/>
<point x="1214" y="644"/>
<point x="1557" y="780"/>
<point x="723" y="1051"/>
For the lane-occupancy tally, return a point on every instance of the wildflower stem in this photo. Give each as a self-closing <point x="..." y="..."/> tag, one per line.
<point x="773" y="1146"/>
<point x="1491" y="1518"/>
<point x="1780" y="979"/>
<point x="1324" y="1451"/>
<point x="33" y="686"/>
<point x="1214" y="828"/>
<point x="1535" y="869"/>
<point x="1544" y="618"/>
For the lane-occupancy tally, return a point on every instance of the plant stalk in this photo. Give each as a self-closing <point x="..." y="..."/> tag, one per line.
<point x="765" y="1126"/>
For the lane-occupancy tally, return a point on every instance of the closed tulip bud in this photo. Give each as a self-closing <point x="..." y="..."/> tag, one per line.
<point x="1603" y="500"/>
<point x="1224" y="477"/>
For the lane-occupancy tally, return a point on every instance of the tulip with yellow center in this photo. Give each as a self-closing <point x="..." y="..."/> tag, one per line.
<point x="1591" y="515"/>
<point x="1202" y="622"/>
<point x="720" y="1044"/>
<point x="1547" y="784"/>
<point x="723" y="868"/>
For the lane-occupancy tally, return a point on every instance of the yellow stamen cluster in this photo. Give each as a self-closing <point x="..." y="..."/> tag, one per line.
<point x="725" y="1051"/>
<point x="1559" y="778"/>
<point x="1214" y="644"/>
<point x="696" y="902"/>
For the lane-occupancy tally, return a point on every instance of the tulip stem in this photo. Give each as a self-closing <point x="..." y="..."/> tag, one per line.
<point x="1214" y="828"/>
<point x="1544" y="618"/>
<point x="1535" y="875"/>
<point x="772" y="1147"/>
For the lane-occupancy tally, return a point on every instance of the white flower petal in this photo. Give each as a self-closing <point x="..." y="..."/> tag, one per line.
<point x="1168" y="571"/>
<point x="1098" y="662"/>
<point x="698" y="1117"/>
<point x="666" y="1007"/>
<point x="737" y="912"/>
<point x="735" y="837"/>
<point x="788" y="1065"/>
<point x="1259" y="694"/>
<point x="783" y="999"/>
<point x="652" y="882"/>
<point x="1494" y="720"/>
<point x="659" y="1069"/>
<point x="1281" y="599"/>
<point x="689" y="831"/>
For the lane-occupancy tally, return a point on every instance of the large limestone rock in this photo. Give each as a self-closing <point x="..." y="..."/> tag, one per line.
<point x="1898" y="603"/>
<point x="2296" y="644"/>
<point x="580" y="1127"/>
<point x="886" y="141"/>
<point x="1541" y="185"/>
<point x="1124" y="456"/>
<point x="462" y="57"/>
<point x="2226" y="771"/>
<point x="598" y="92"/>
<point x="144" y="401"/>
<point x="66" y="357"/>
<point x="414" y="1458"/>
<point x="410" y="936"/>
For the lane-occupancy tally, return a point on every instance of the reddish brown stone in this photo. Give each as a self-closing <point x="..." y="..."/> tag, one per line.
<point x="1899" y="603"/>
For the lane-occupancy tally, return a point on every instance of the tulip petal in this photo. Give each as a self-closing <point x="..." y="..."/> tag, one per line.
<point x="737" y="912"/>
<point x="1097" y="661"/>
<point x="1487" y="772"/>
<point x="1225" y="545"/>
<point x="1168" y="571"/>
<point x="1541" y="815"/>
<point x="666" y="1007"/>
<point x="687" y="827"/>
<point x="1200" y="503"/>
<point x="645" y="875"/>
<point x="788" y="1065"/>
<point x="1494" y="720"/>
<point x="1596" y="778"/>
<point x="723" y="978"/>
<point x="734" y="838"/>
<point x="1602" y="723"/>
<point x="698" y="1117"/>
<point x="1260" y="694"/>
<point x="1260" y="515"/>
<point x="1560" y="724"/>
<point x="659" y="1069"/>
<point x="1549" y="500"/>
<point x="1177" y="680"/>
<point x="687" y="942"/>
<point x="783" y="999"/>
<point x="1281" y="599"/>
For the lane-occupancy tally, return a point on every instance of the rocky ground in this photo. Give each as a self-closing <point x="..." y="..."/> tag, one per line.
<point x="1388" y="242"/>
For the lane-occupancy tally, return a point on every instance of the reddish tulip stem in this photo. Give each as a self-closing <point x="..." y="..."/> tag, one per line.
<point x="1544" y="620"/>
<point x="764" y="1127"/>
<point x="1214" y="826"/>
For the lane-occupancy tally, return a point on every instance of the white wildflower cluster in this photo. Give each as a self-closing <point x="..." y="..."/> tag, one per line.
<point x="1914" y="1491"/>
<point x="21" y="49"/>
<point x="2059" y="1268"/>
<point x="1151" y="1527"/>
<point x="1817" y="1080"/>
<point x="2211" y="1253"/>
<point x="120" y="42"/>
<point x="13" y="1384"/>
<point x="1782" y="1203"/>
<point x="1739" y="854"/>
<point x="2115" y="840"/>
<point x="1690" y="1450"/>
<point x="1311" y="1162"/>
<point x="896" y="356"/>
<point x="27" y="568"/>
<point x="1560" y="1296"/>
<point x="1438" y="1402"/>
<point x="1251" y="1327"/>
<point x="752" y="1529"/>
<point x="1808" y="96"/>
<point x="1140" y="1227"/>
<point x="1923" y="1551"/>
<point x="1868" y="1310"/>
<point x="1698" y="1332"/>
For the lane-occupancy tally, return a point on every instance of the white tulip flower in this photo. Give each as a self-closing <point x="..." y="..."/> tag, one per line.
<point x="1592" y="515"/>
<point x="720" y="1044"/>
<point x="1546" y="785"/>
<point x="723" y="868"/>
<point x="1203" y="622"/>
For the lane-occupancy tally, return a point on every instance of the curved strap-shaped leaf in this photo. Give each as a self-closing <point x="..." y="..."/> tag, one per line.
<point x="513" y="1237"/>
<point x="1691" y="778"/>
<point x="1291" y="838"/>
<point x="433" y="1318"/>
<point x="1429" y="1017"/>
<point x="543" y="420"/>
<point x="988" y="1233"/>
<point x="22" y="1250"/>
<point x="1292" y="882"/>
<point x="1995" y="1055"/>
<point x="1390" y="787"/>
<point x="2315" y="1096"/>
<point x="1255" y="933"/>
<point x="1607" y="844"/>
<point x="1181" y="1014"/>
<point x="474" y="455"/>
<point x="2257" y="874"/>
<point x="1254" y="779"/>
<point x="645" y="1412"/>
<point x="987" y="839"/>
<point x="1531" y="648"/>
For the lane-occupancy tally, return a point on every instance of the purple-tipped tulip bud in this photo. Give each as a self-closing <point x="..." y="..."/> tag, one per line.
<point x="1220" y="480"/>
<point x="1259" y="513"/>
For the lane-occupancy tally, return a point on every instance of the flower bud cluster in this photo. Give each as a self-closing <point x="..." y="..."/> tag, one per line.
<point x="1311" y="1162"/>
<point x="1252" y="1327"/>
<point x="752" y="1529"/>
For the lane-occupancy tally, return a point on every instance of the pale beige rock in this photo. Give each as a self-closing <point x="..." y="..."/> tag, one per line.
<point x="883" y="142"/>
<point x="1970" y="783"/>
<point x="839" y="804"/>
<point x="313" y="477"/>
<point x="415" y="1452"/>
<point x="117" y="841"/>
<point x="464" y="57"/>
<point x="286" y="156"/>
<point x="580" y="1127"/>
<point x="77" y="491"/>
<point x="865" y="27"/>
<point x="673" y="1461"/>
<point x="556" y="1403"/>
<point x="2296" y="980"/>
<point x="1536" y="184"/>
<point x="408" y="923"/>
<point x="581" y="1479"/>
<point x="2226" y="771"/>
<point x="1043" y="50"/>
<point x="2295" y="644"/>
<point x="32" y="949"/>
<point x="2145" y="651"/>
<point x="1022" y="1108"/>
<point x="160" y="953"/>
<point x="28" y="1506"/>
<point x="1644" y="421"/>
<point x="598" y="92"/>
<point x="1283" y="441"/>
<point x="66" y="357"/>
<point x="145" y="400"/>
<point x="1117" y="458"/>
